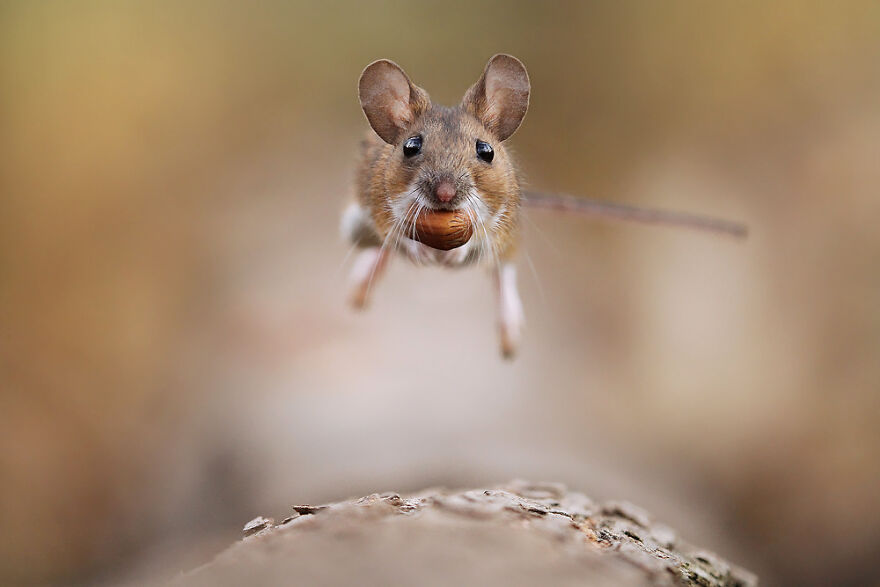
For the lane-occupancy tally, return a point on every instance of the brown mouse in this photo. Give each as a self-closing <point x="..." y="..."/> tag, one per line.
<point x="424" y="159"/>
<point x="437" y="185"/>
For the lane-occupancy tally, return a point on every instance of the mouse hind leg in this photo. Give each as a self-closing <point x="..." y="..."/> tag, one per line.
<point x="510" y="310"/>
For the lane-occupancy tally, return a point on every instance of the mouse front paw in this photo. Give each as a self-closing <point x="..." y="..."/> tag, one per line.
<point x="366" y="271"/>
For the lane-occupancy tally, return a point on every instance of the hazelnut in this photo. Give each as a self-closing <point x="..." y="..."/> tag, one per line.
<point x="443" y="229"/>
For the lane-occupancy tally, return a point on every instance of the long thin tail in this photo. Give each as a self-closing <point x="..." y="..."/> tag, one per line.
<point x="612" y="211"/>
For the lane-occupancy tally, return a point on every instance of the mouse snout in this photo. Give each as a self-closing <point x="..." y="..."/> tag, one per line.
<point x="445" y="191"/>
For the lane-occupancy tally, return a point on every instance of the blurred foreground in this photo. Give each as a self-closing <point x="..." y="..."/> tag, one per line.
<point x="175" y="351"/>
<point x="518" y="534"/>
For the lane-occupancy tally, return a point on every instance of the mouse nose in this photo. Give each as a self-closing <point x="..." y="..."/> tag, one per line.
<point x="445" y="191"/>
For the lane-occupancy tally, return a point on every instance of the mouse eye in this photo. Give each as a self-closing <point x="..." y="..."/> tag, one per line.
<point x="485" y="152"/>
<point x="412" y="146"/>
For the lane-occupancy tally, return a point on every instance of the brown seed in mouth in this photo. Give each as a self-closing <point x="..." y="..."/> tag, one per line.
<point x="443" y="229"/>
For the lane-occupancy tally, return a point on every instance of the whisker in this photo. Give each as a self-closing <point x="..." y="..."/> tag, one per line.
<point x="348" y="254"/>
<point x="468" y="210"/>
<point x="541" y="233"/>
<point x="383" y="250"/>
<point x="416" y="210"/>
<point x="481" y="224"/>
<point x="537" y="279"/>
<point x="472" y="216"/>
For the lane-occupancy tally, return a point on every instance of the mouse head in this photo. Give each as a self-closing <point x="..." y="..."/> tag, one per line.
<point x="448" y="158"/>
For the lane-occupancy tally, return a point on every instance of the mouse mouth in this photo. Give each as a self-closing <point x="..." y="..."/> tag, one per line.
<point x="458" y="202"/>
<point x="456" y="207"/>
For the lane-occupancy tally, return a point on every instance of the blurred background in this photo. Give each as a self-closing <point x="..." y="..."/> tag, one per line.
<point x="176" y="353"/>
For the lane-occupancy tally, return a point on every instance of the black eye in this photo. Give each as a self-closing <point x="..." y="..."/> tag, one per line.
<point x="412" y="146"/>
<point x="485" y="152"/>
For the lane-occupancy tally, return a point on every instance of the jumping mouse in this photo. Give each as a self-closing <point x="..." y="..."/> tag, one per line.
<point x="436" y="184"/>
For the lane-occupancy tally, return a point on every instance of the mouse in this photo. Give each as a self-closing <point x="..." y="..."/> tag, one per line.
<point x="421" y="157"/>
<point x="436" y="185"/>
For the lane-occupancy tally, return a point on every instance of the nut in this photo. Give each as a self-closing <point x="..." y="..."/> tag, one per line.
<point x="443" y="229"/>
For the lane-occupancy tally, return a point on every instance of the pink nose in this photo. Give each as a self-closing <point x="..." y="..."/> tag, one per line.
<point x="445" y="191"/>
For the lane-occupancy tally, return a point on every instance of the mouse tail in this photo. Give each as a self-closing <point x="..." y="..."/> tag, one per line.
<point x="613" y="211"/>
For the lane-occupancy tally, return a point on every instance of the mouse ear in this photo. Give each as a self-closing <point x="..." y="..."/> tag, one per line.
<point x="500" y="97"/>
<point x="390" y="101"/>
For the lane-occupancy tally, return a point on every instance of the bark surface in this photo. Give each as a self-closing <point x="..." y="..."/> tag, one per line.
<point x="517" y="534"/>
